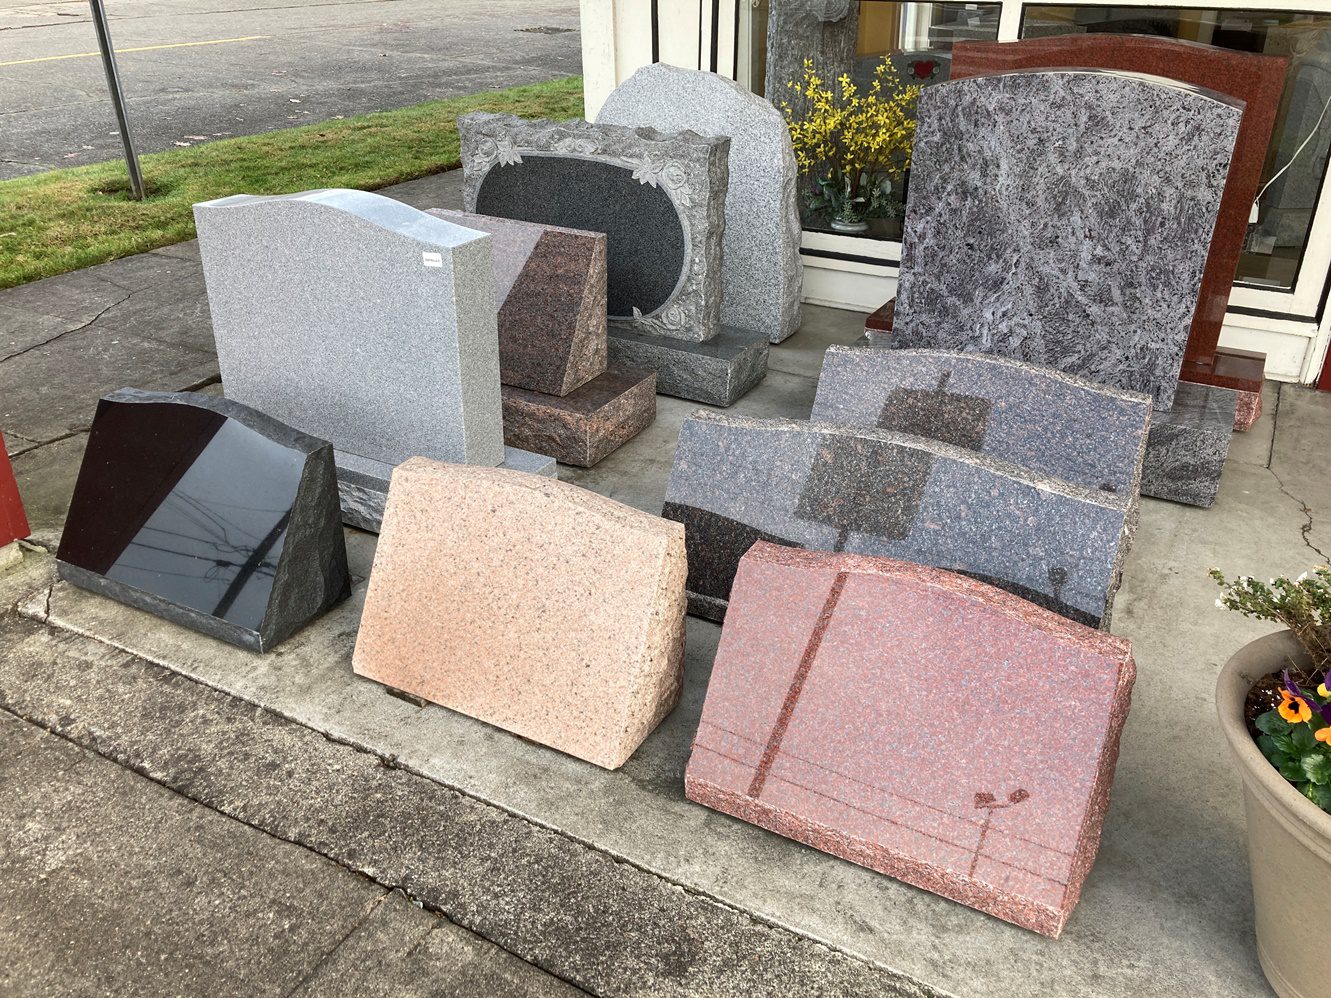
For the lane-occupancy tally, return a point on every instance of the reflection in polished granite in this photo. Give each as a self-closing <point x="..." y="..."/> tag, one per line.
<point x="207" y="513"/>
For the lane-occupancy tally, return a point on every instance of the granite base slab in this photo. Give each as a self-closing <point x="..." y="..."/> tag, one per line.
<point x="586" y="425"/>
<point x="363" y="484"/>
<point x="1188" y="444"/>
<point x="1241" y="370"/>
<point x="716" y="372"/>
<point x="880" y="319"/>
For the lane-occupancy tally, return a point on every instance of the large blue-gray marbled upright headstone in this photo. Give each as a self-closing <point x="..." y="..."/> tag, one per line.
<point x="1064" y="218"/>
<point x="660" y="198"/>
<point x="738" y="480"/>
<point x="1052" y="423"/>
<point x="761" y="273"/>
<point x="363" y="321"/>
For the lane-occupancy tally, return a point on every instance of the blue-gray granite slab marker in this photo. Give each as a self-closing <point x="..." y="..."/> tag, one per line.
<point x="761" y="273"/>
<point x="1188" y="445"/>
<point x="738" y="480"/>
<point x="363" y="321"/>
<point x="1064" y="218"/>
<point x="660" y="199"/>
<point x="1053" y="423"/>
<point x="206" y="513"/>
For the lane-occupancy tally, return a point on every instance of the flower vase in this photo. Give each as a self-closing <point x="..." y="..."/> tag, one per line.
<point x="854" y="225"/>
<point x="1289" y="837"/>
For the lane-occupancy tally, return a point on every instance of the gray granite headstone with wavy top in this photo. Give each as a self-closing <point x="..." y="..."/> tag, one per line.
<point x="363" y="321"/>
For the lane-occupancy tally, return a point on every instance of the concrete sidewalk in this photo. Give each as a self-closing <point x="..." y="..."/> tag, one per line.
<point x="612" y="882"/>
<point x="112" y="883"/>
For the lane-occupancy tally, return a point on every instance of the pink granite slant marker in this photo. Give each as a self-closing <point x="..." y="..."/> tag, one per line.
<point x="528" y="603"/>
<point x="917" y="722"/>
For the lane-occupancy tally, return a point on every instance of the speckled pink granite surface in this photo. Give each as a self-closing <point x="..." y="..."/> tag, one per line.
<point x="529" y="603"/>
<point x="916" y="722"/>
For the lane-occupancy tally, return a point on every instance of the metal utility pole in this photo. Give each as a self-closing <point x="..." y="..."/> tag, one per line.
<point x="117" y="97"/>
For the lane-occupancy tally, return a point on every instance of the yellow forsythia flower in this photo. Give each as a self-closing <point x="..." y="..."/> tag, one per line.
<point x="855" y="134"/>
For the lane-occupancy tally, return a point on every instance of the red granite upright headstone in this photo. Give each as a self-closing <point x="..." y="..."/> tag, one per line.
<point x="1258" y="81"/>
<point x="916" y="722"/>
<point x="13" y="521"/>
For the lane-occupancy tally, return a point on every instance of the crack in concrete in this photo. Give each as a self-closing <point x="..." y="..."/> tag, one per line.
<point x="1307" y="511"/>
<point x="19" y="442"/>
<point x="1304" y="508"/>
<point x="193" y="386"/>
<point x="365" y="916"/>
<point x="94" y="746"/>
<point x="45" y="443"/>
<point x="76" y="329"/>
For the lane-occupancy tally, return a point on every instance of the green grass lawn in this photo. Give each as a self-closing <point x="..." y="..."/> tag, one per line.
<point x="51" y="223"/>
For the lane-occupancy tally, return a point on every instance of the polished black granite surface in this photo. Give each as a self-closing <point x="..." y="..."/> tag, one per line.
<point x="208" y="513"/>
<point x="645" y="253"/>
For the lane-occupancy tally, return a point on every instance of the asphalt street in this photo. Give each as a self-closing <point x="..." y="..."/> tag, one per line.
<point x="199" y="70"/>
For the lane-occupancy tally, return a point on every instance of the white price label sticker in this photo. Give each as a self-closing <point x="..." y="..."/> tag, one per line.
<point x="432" y="259"/>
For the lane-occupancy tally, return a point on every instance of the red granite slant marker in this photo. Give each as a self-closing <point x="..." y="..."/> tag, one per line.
<point x="917" y="722"/>
<point x="13" y="521"/>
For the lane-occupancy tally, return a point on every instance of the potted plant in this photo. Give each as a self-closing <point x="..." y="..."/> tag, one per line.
<point x="854" y="147"/>
<point x="1274" y="702"/>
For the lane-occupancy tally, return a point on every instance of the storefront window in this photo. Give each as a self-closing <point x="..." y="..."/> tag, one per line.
<point x="842" y="36"/>
<point x="1296" y="161"/>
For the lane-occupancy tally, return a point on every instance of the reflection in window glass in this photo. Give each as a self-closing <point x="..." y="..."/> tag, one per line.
<point x="915" y="38"/>
<point x="1297" y="159"/>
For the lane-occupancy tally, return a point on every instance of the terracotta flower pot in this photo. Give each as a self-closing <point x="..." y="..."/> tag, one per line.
<point x="1289" y="837"/>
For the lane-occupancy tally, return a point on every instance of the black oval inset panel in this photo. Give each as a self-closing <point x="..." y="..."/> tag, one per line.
<point x="645" y="251"/>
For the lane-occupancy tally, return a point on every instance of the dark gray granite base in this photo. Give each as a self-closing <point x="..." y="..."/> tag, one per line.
<point x="717" y="372"/>
<point x="1188" y="444"/>
<point x="363" y="484"/>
